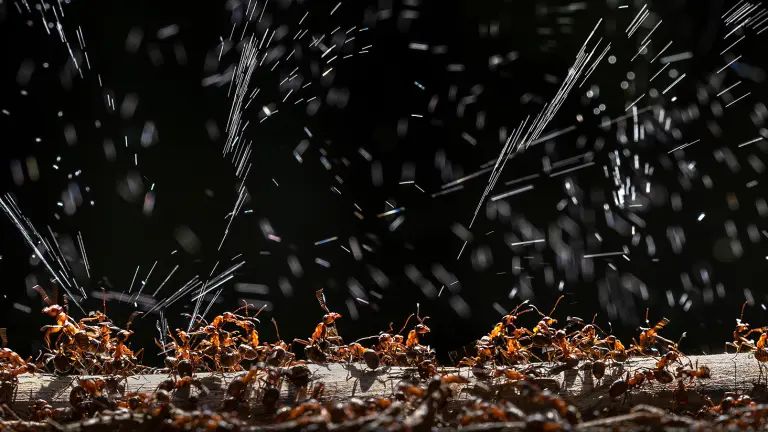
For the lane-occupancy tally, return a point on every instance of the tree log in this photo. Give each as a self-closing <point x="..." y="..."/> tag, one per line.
<point x="729" y="373"/>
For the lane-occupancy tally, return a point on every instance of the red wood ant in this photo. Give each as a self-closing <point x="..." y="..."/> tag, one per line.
<point x="648" y="336"/>
<point x="701" y="372"/>
<point x="419" y="329"/>
<point x="543" y="333"/>
<point x="742" y="332"/>
<point x="64" y="323"/>
<point x="325" y="332"/>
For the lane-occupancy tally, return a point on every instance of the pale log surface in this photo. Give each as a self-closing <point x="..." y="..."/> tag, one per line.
<point x="730" y="373"/>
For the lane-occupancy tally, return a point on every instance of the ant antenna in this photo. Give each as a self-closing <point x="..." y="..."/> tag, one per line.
<point x="104" y="300"/>
<point x="647" y="322"/>
<point x="556" y="303"/>
<point x="321" y="298"/>
<point x="4" y="336"/>
<point x="366" y="338"/>
<point x="132" y="317"/>
<point x="276" y="329"/>
<point x="65" y="304"/>
<point x="598" y="327"/>
<point x="43" y="294"/>
<point x="406" y="323"/>
<point x="742" y="312"/>
<point x="533" y="307"/>
<point x="519" y="306"/>
<point x="259" y="311"/>
<point x="244" y="306"/>
<point x="677" y="344"/>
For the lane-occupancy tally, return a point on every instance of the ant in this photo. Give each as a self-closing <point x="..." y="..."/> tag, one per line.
<point x="327" y="327"/>
<point x="728" y="401"/>
<point x="182" y="384"/>
<point x="701" y="372"/>
<point x="648" y="336"/>
<point x="742" y="332"/>
<point x="220" y="343"/>
<point x="237" y="390"/>
<point x="42" y="410"/>
<point x="566" y="411"/>
<point x="515" y="351"/>
<point x="185" y="360"/>
<point x="617" y="352"/>
<point x="672" y="355"/>
<point x="122" y="359"/>
<point x="325" y="333"/>
<point x="419" y="329"/>
<point x="761" y="352"/>
<point x="64" y="323"/>
<point x="587" y="336"/>
<point x="622" y="386"/>
<point x="392" y="345"/>
<point x="11" y="374"/>
<point x="279" y="352"/>
<point x="543" y="333"/>
<point x="680" y="395"/>
<point x="11" y="363"/>
<point x="502" y="329"/>
<point x="569" y="354"/>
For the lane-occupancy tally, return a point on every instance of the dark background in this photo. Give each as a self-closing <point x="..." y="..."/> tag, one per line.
<point x="196" y="187"/>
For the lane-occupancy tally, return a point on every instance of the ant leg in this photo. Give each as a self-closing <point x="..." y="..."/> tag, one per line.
<point x="49" y="330"/>
<point x="140" y="353"/>
<point x="663" y="339"/>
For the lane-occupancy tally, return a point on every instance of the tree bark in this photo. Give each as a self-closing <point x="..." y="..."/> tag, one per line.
<point x="729" y="373"/>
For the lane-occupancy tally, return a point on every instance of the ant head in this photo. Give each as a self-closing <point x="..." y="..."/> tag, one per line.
<point x="549" y="320"/>
<point x="421" y="329"/>
<point x="53" y="310"/>
<point x="228" y="315"/>
<point x="560" y="334"/>
<point x="330" y="318"/>
<point x="210" y="329"/>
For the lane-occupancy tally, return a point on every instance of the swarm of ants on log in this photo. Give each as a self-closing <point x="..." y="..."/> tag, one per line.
<point x="219" y="375"/>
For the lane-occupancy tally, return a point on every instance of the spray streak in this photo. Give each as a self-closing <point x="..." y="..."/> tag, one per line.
<point x="7" y="203"/>
<point x="515" y="143"/>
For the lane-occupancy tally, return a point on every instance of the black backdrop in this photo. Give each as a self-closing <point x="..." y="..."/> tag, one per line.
<point x="196" y="187"/>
